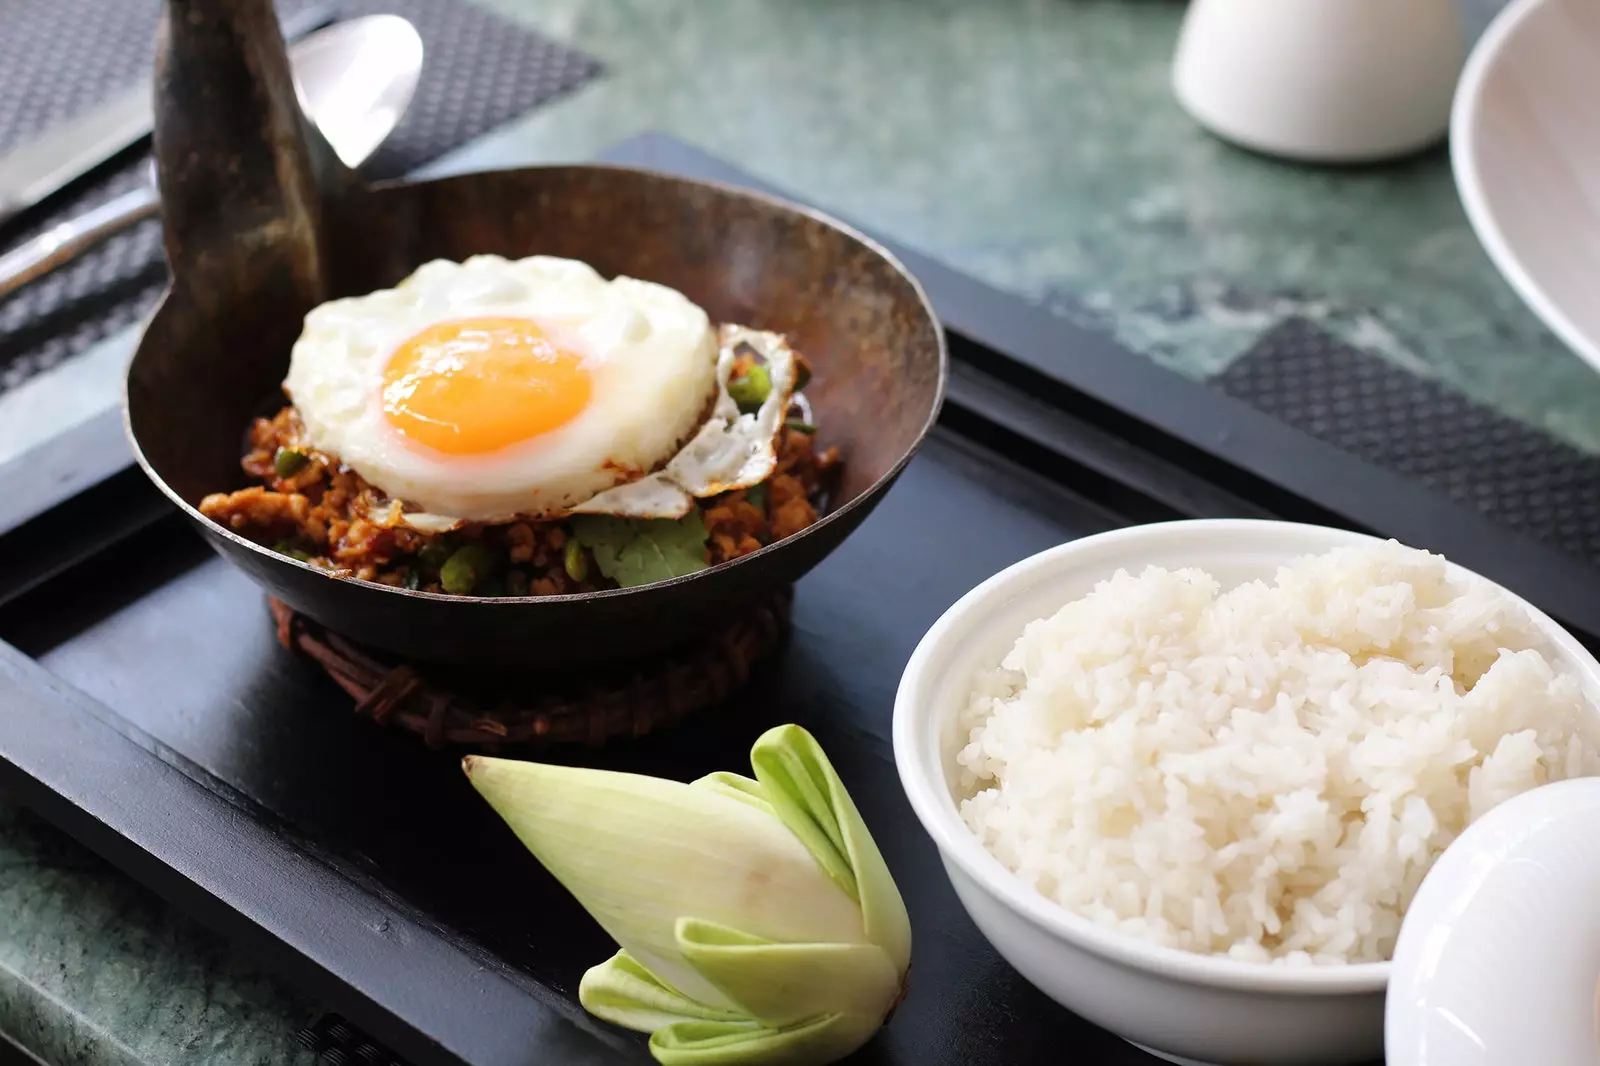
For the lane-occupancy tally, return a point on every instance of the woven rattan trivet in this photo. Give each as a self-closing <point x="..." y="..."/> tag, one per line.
<point x="538" y="710"/>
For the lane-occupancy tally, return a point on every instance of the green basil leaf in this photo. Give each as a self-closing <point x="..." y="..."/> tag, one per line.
<point x="642" y="551"/>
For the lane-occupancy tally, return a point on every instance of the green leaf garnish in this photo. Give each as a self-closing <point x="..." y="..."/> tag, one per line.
<point x="642" y="551"/>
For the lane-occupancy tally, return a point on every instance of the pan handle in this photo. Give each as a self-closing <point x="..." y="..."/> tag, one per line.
<point x="247" y="183"/>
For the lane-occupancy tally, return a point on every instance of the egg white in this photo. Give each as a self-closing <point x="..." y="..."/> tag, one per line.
<point x="731" y="451"/>
<point x="650" y="352"/>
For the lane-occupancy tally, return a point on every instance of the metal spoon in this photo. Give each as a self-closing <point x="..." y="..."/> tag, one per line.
<point x="354" y="80"/>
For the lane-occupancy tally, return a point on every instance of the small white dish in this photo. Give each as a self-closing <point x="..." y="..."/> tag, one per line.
<point x="1498" y="961"/>
<point x="1525" y="147"/>
<point x="1182" y="1006"/>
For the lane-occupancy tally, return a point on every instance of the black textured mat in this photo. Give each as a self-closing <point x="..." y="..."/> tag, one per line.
<point x="58" y="57"/>
<point x="1515" y="474"/>
<point x="336" y="1042"/>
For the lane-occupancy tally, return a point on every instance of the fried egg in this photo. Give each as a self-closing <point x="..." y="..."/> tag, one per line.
<point x="492" y="389"/>
<point x="733" y="450"/>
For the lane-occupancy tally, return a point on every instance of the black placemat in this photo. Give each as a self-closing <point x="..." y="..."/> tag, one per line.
<point x="59" y="56"/>
<point x="1511" y="472"/>
<point x="336" y="1042"/>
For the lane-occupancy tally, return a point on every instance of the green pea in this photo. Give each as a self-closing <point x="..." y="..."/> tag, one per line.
<point x="516" y="583"/>
<point x="757" y="494"/>
<point x="289" y="462"/>
<point x="292" y="550"/>
<point x="751" y="389"/>
<point x="461" y="573"/>
<point x="801" y="427"/>
<point x="436" y="553"/>
<point x="574" y="561"/>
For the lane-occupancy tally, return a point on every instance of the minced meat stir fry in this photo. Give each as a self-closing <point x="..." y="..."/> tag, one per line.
<point x="315" y="509"/>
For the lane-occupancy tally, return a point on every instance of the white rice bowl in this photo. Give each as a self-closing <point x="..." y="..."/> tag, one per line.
<point x="1265" y="772"/>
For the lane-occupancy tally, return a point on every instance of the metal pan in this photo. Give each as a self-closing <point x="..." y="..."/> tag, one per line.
<point x="263" y="223"/>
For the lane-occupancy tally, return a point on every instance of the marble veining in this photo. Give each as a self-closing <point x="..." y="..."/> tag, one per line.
<point x="96" y="971"/>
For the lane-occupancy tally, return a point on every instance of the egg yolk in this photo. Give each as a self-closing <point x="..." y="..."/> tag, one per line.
<point x="476" y="385"/>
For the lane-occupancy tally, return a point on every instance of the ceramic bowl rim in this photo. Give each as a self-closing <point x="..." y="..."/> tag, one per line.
<point x="926" y="788"/>
<point x="1464" y="149"/>
<point x="865" y="497"/>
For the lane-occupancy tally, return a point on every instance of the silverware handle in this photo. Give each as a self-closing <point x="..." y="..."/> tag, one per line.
<point x="65" y="242"/>
<point x="40" y="167"/>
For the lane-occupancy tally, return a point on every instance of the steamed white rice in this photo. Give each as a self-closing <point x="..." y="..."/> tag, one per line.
<point x="1266" y="772"/>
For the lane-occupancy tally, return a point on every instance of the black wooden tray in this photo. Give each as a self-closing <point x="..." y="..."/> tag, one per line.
<point x="146" y="708"/>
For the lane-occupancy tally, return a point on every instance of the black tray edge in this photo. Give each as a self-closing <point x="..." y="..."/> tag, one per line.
<point x="65" y="465"/>
<point x="67" y="762"/>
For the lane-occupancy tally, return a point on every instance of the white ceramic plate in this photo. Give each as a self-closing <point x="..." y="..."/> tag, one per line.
<point x="1525" y="145"/>
<point x="1499" y="958"/>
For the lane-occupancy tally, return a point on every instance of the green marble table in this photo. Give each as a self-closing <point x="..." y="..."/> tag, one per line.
<point x="1033" y="143"/>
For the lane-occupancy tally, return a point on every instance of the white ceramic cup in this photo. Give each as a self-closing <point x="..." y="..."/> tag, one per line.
<point x="1330" y="81"/>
